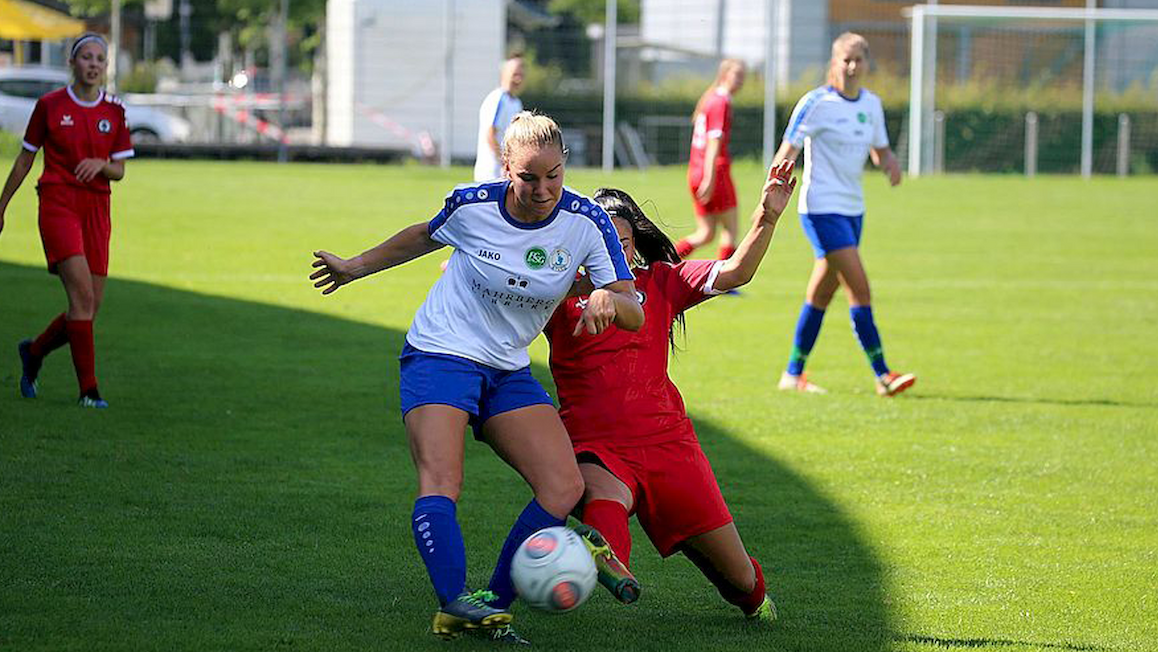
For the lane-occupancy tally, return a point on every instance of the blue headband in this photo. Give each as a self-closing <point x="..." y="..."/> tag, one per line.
<point x="85" y="39"/>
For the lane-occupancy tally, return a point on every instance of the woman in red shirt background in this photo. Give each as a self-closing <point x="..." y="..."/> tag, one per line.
<point x="85" y="139"/>
<point x="636" y="447"/>
<point x="710" y="164"/>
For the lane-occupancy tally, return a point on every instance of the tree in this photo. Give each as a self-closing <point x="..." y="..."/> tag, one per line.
<point x="595" y="11"/>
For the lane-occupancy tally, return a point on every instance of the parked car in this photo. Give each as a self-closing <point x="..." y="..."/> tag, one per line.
<point x="20" y="88"/>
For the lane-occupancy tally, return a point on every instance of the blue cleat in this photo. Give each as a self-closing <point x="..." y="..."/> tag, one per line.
<point x="30" y="369"/>
<point x="91" y="399"/>
<point x="469" y="611"/>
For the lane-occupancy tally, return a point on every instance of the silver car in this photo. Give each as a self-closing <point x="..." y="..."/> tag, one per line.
<point x="21" y="87"/>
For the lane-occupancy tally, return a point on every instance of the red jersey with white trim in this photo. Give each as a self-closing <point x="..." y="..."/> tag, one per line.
<point x="71" y="130"/>
<point x="614" y="386"/>
<point x="714" y="121"/>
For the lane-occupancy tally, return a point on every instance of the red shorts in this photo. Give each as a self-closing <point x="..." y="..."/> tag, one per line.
<point x="75" y="222"/>
<point x="673" y="489"/>
<point x="723" y="195"/>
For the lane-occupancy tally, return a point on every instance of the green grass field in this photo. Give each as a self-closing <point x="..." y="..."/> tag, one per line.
<point x="250" y="488"/>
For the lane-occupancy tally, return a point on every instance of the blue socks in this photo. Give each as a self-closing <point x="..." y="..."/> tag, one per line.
<point x="807" y="328"/>
<point x="533" y="519"/>
<point x="870" y="339"/>
<point x="439" y="541"/>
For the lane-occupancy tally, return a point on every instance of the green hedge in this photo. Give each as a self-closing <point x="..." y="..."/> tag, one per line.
<point x="976" y="139"/>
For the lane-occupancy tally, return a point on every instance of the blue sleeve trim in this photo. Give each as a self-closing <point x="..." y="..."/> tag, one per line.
<point x="805" y="107"/>
<point x="610" y="240"/>
<point x="499" y="110"/>
<point x="462" y="195"/>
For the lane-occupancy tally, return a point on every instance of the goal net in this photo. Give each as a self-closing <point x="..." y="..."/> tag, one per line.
<point x="1033" y="89"/>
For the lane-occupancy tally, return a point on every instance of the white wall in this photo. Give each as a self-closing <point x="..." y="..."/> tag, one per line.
<point x="389" y="57"/>
<point x="802" y="38"/>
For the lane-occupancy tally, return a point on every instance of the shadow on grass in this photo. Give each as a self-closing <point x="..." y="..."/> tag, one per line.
<point x="1029" y="400"/>
<point x="251" y="488"/>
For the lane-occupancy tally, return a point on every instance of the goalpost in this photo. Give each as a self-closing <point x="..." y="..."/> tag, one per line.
<point x="926" y="21"/>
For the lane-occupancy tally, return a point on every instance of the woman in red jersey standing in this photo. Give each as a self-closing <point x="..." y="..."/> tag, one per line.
<point x="636" y="447"/>
<point x="710" y="164"/>
<point x="86" y="141"/>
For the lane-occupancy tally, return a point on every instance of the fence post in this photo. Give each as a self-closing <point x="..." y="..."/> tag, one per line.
<point x="1030" y="144"/>
<point x="609" y="38"/>
<point x="1123" y="144"/>
<point x="938" y="142"/>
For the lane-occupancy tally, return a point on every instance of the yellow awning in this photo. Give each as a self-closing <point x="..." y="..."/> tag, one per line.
<point x="24" y="21"/>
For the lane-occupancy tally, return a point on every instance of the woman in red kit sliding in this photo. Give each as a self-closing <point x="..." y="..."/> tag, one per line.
<point x="636" y="447"/>
<point x="86" y="141"/>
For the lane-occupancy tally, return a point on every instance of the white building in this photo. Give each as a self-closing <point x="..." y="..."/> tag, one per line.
<point x="738" y="28"/>
<point x="388" y="83"/>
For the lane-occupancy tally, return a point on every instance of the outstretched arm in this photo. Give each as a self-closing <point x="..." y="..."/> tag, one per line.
<point x="20" y="168"/>
<point x="333" y="272"/>
<point x="741" y="267"/>
<point x="787" y="152"/>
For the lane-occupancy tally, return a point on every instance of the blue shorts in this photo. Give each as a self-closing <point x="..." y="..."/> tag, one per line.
<point x="828" y="231"/>
<point x="479" y="390"/>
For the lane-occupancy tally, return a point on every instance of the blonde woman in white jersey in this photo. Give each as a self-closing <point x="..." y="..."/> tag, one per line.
<point x="839" y="126"/>
<point x="518" y="242"/>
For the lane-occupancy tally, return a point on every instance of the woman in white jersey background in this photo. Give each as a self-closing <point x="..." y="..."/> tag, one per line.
<point x="839" y="126"/>
<point x="518" y="242"/>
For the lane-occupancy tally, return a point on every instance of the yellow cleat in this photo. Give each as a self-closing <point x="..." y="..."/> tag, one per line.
<point x="765" y="614"/>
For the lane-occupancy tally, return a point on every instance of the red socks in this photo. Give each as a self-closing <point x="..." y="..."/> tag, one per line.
<point x="751" y="602"/>
<point x="685" y="249"/>
<point x="53" y="337"/>
<point x="80" y="340"/>
<point x="610" y="518"/>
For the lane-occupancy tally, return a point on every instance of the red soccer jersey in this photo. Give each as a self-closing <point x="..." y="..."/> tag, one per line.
<point x="71" y="130"/>
<point x="714" y="121"/>
<point x="614" y="386"/>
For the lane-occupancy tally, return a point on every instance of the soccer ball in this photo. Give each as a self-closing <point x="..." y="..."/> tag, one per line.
<point x="553" y="570"/>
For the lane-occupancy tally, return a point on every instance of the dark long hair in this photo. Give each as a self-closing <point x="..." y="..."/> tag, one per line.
<point x="651" y="244"/>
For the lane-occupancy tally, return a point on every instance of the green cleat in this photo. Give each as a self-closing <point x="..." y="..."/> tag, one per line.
<point x="765" y="614"/>
<point x="468" y="611"/>
<point x="613" y="574"/>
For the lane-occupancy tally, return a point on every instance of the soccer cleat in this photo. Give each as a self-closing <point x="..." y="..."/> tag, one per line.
<point x="505" y="634"/>
<point x="30" y="369"/>
<point x="91" y="399"/>
<point x="613" y="574"/>
<point x="893" y="383"/>
<point x="469" y="611"/>
<point x="765" y="613"/>
<point x="799" y="384"/>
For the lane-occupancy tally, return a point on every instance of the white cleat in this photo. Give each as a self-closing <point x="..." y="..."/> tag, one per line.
<point x="893" y="383"/>
<point x="789" y="382"/>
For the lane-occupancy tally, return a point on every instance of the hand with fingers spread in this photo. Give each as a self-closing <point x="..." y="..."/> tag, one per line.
<point x="599" y="313"/>
<point x="332" y="272"/>
<point x="778" y="188"/>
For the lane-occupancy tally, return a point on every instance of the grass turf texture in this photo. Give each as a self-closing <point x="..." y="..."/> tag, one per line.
<point x="251" y="486"/>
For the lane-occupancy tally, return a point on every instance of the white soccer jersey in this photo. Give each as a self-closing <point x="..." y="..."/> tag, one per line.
<point x="505" y="277"/>
<point x="497" y="110"/>
<point x="836" y="134"/>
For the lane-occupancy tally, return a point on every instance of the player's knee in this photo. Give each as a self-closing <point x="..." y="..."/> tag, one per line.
<point x="561" y="494"/>
<point x="442" y="482"/>
<point x="81" y="305"/>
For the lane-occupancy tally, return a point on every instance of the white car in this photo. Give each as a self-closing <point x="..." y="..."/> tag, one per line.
<point x="21" y="87"/>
